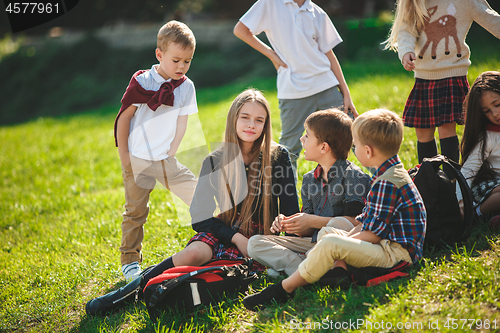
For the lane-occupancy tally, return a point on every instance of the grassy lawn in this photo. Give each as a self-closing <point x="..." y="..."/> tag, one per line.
<point x="61" y="201"/>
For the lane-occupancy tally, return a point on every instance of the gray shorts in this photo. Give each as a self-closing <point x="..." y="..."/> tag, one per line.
<point x="295" y="111"/>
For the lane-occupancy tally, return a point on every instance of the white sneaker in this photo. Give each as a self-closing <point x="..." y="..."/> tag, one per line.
<point x="272" y="273"/>
<point x="131" y="271"/>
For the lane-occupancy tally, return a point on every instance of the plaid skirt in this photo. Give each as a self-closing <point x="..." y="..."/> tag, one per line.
<point x="221" y="251"/>
<point x="433" y="103"/>
<point x="481" y="191"/>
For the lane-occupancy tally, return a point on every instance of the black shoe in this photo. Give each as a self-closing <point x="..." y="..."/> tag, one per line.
<point x="337" y="277"/>
<point x="273" y="293"/>
<point x="115" y="299"/>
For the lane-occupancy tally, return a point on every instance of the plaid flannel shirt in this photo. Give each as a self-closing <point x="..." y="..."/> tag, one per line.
<point x="396" y="214"/>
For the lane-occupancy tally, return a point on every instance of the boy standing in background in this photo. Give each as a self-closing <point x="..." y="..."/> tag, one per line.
<point x="309" y="79"/>
<point x="148" y="131"/>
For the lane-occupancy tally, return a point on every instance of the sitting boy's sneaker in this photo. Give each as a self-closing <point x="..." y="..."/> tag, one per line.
<point x="337" y="277"/>
<point x="131" y="271"/>
<point x="273" y="293"/>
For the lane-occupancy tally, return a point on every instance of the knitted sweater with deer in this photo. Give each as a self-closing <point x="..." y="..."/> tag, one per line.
<point x="440" y="49"/>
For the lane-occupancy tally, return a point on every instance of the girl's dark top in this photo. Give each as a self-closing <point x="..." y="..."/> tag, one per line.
<point x="284" y="195"/>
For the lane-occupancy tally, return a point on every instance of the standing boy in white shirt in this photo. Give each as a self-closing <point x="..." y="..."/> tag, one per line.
<point x="309" y="79"/>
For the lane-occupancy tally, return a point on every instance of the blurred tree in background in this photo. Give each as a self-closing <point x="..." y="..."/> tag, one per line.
<point x="92" y="14"/>
<point x="48" y="77"/>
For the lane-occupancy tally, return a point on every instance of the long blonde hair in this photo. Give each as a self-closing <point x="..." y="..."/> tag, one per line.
<point x="259" y="172"/>
<point x="409" y="13"/>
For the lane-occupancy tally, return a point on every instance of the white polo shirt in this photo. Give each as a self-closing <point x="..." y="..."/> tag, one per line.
<point x="300" y="37"/>
<point x="152" y="132"/>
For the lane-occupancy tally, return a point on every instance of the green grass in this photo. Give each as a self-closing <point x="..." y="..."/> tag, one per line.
<point x="61" y="201"/>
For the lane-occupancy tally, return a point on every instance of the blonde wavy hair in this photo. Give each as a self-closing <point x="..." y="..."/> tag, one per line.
<point x="410" y="14"/>
<point x="259" y="180"/>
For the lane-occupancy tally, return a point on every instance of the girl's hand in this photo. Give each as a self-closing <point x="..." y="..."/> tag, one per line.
<point x="241" y="243"/>
<point x="407" y="61"/>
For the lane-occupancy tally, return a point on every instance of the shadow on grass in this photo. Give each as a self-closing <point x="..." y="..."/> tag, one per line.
<point x="312" y="308"/>
<point x="204" y="318"/>
<point x="326" y="309"/>
<point x="474" y="246"/>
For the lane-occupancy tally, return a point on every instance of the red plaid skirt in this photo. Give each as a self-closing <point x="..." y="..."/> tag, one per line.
<point x="433" y="103"/>
<point x="221" y="251"/>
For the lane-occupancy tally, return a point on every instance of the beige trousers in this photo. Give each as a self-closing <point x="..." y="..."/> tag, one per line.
<point x="139" y="179"/>
<point x="355" y="252"/>
<point x="285" y="253"/>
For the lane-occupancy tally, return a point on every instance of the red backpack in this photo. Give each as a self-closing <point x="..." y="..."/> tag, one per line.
<point x="189" y="287"/>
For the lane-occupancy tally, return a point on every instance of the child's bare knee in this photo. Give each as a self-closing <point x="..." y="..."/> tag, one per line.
<point x="195" y="254"/>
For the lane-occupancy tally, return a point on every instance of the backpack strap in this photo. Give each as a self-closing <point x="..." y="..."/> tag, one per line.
<point x="167" y="286"/>
<point x="371" y="276"/>
<point x="385" y="278"/>
<point x="439" y="160"/>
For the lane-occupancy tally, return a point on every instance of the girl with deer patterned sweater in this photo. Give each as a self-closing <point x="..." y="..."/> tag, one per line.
<point x="429" y="36"/>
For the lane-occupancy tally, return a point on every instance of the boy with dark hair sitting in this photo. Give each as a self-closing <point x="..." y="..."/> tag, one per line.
<point x="335" y="188"/>
<point x="392" y="225"/>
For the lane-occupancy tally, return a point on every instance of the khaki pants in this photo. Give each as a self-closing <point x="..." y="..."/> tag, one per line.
<point x="355" y="252"/>
<point x="139" y="179"/>
<point x="285" y="253"/>
<point x="282" y="253"/>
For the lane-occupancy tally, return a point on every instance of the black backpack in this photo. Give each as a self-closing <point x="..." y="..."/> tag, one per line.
<point x="445" y="225"/>
<point x="189" y="287"/>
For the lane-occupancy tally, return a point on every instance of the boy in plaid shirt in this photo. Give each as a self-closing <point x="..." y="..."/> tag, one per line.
<point x="333" y="194"/>
<point x="392" y="224"/>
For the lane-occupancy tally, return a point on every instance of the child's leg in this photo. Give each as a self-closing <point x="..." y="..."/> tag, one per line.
<point x="330" y="98"/>
<point x="336" y="225"/>
<point x="194" y="254"/>
<point x="180" y="181"/>
<point x="492" y="204"/>
<point x="293" y="282"/>
<point x="282" y="253"/>
<point x="354" y="252"/>
<point x="426" y="144"/>
<point x="449" y="141"/>
<point x="136" y="211"/>
<point x="293" y="113"/>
